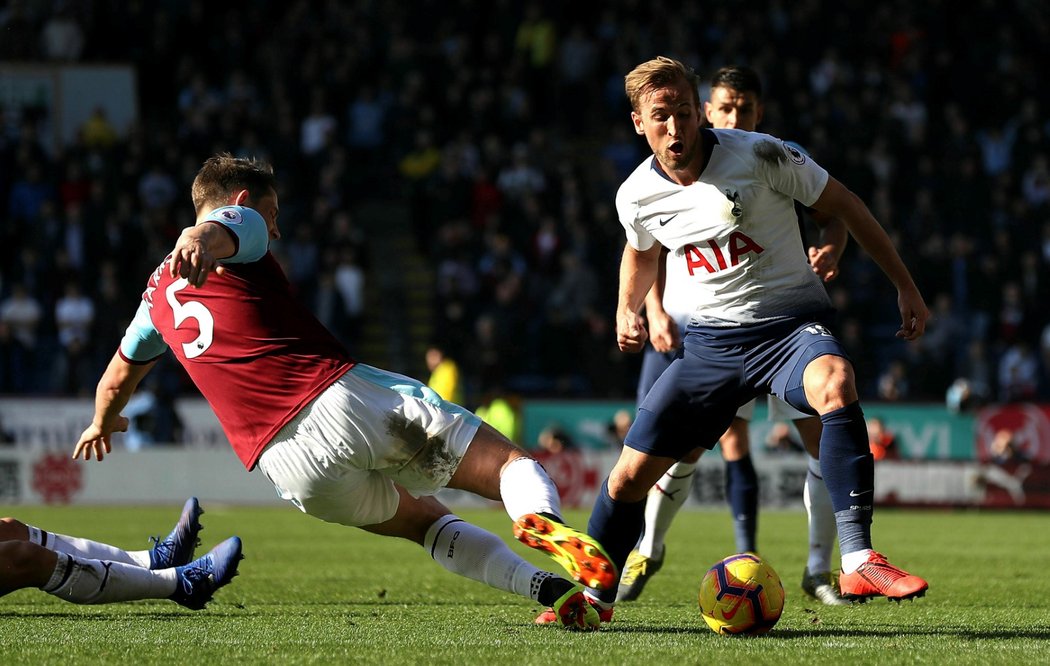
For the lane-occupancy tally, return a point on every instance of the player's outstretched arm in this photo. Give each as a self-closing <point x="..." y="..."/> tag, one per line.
<point x="638" y="270"/>
<point x="116" y="387"/>
<point x="838" y="201"/>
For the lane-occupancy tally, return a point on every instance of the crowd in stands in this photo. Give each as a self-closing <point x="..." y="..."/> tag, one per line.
<point x="505" y="126"/>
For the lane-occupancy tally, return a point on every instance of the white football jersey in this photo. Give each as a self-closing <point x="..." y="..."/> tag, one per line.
<point x="736" y="256"/>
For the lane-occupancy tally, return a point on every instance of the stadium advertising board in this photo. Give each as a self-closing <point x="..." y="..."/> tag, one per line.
<point x="923" y="432"/>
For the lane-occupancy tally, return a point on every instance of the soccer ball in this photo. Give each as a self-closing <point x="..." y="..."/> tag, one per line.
<point x="742" y="594"/>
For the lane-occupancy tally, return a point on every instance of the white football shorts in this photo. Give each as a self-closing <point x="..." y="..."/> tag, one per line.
<point x="339" y="458"/>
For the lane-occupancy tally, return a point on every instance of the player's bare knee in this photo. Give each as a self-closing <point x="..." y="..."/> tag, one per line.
<point x="626" y="487"/>
<point x="693" y="456"/>
<point x="12" y="529"/>
<point x="829" y="383"/>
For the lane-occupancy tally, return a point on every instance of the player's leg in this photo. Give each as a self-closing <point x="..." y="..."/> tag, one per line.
<point x="495" y="468"/>
<point x="372" y="419"/>
<point x="664" y="501"/>
<point x="741" y="480"/>
<point x="23" y="564"/>
<point x="817" y="580"/>
<point x="693" y="401"/>
<point x="468" y="550"/>
<point x="323" y="463"/>
<point x="849" y="474"/>
<point x="176" y="549"/>
<point x="92" y="581"/>
<point x="619" y="510"/>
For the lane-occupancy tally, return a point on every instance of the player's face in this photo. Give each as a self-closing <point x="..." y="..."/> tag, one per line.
<point x="669" y="120"/>
<point x="733" y="109"/>
<point x="267" y="206"/>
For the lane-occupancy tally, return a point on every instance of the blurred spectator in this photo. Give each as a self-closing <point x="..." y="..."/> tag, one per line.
<point x="423" y="160"/>
<point x="74" y="315"/>
<point x="152" y="417"/>
<point x="1018" y="373"/>
<point x="63" y="38"/>
<point x="350" y="282"/>
<point x="520" y="178"/>
<point x="965" y="396"/>
<point x="1035" y="184"/>
<point x="97" y="132"/>
<point x="20" y="315"/>
<point x="498" y="411"/>
<point x="894" y="385"/>
<point x="365" y="120"/>
<point x="28" y="194"/>
<point x="554" y="441"/>
<point x="881" y="441"/>
<point x="157" y="188"/>
<point x="318" y="128"/>
<point x="618" y="427"/>
<point x="75" y="186"/>
<point x="1005" y="448"/>
<point x="782" y="441"/>
<point x="444" y="375"/>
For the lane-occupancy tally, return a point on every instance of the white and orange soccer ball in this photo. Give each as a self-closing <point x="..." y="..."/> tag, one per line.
<point x="741" y="594"/>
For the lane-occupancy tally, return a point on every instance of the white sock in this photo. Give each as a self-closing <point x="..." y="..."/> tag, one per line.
<point x="661" y="506"/>
<point x="85" y="548"/>
<point x="852" y="561"/>
<point x="480" y="555"/>
<point x="89" y="581"/>
<point x="821" y="516"/>
<point x="525" y="488"/>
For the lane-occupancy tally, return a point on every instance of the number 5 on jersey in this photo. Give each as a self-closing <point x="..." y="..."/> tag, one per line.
<point x="191" y="310"/>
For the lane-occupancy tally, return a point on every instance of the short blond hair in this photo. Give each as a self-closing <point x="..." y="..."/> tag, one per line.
<point x="658" y="73"/>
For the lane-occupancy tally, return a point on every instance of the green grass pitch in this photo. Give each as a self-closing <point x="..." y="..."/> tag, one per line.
<point x="310" y="592"/>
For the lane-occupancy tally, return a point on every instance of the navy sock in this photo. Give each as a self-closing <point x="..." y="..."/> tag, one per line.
<point x="849" y="473"/>
<point x="616" y="526"/>
<point x="742" y="495"/>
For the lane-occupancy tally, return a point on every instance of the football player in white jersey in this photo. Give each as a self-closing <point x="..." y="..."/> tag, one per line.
<point x="735" y="103"/>
<point x="722" y="203"/>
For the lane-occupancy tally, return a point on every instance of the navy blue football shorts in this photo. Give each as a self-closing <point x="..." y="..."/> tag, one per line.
<point x="653" y="365"/>
<point x="694" y="400"/>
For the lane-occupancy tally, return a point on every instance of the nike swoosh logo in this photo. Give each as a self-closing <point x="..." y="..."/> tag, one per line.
<point x="730" y="612"/>
<point x="663" y="222"/>
<point x="854" y="493"/>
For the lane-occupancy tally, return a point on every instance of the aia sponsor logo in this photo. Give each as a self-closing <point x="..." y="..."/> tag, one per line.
<point x="715" y="257"/>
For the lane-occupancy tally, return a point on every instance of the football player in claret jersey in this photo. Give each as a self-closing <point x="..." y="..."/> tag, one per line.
<point x="735" y="103"/>
<point x="723" y="204"/>
<point x="83" y="571"/>
<point x="343" y="441"/>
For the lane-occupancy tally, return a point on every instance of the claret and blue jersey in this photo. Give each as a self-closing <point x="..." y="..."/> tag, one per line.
<point x="256" y="353"/>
